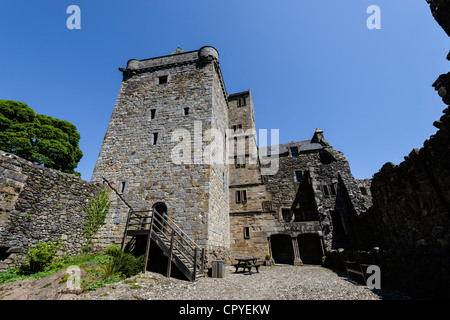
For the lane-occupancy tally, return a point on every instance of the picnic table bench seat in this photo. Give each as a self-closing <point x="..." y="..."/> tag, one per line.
<point x="357" y="268"/>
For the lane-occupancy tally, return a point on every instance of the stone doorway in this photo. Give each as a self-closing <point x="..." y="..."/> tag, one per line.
<point x="161" y="216"/>
<point x="310" y="248"/>
<point x="282" y="248"/>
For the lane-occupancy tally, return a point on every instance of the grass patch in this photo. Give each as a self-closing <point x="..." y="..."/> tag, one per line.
<point x="97" y="270"/>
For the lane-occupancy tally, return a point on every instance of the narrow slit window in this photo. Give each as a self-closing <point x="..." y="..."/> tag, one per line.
<point x="246" y="232"/>
<point x="162" y="79"/>
<point x="152" y="113"/>
<point x="325" y="190"/>
<point x="155" y="138"/>
<point x="186" y="111"/>
<point x="238" y="197"/>
<point x="122" y="187"/>
<point x="244" y="196"/>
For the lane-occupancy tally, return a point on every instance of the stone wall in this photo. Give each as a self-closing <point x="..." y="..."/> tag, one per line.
<point x="411" y="200"/>
<point x="441" y="12"/>
<point x="408" y="225"/>
<point x="421" y="273"/>
<point x="40" y="204"/>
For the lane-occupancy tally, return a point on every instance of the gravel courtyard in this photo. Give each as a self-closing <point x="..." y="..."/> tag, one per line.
<point x="280" y="282"/>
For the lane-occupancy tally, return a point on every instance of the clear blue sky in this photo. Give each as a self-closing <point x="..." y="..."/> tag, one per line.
<point x="310" y="64"/>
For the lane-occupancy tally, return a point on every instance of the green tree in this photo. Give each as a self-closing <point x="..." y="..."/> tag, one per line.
<point x="38" y="138"/>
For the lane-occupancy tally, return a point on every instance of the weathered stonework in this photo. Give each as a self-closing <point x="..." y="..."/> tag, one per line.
<point x="152" y="101"/>
<point x="40" y="204"/>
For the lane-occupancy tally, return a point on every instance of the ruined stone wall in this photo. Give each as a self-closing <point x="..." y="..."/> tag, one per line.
<point x="411" y="201"/>
<point x="40" y="204"/>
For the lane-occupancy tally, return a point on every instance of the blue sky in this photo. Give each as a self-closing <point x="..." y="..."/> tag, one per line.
<point x="309" y="64"/>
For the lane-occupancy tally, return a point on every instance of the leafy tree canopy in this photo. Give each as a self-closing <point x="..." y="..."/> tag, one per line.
<point x="38" y="138"/>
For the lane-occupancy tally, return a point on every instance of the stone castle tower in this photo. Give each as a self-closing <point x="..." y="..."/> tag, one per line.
<point x="164" y="103"/>
<point x="177" y="142"/>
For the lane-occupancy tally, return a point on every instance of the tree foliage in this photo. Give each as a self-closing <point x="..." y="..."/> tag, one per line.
<point x="38" y="138"/>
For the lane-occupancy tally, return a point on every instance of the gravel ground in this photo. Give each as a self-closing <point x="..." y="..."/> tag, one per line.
<point x="280" y="282"/>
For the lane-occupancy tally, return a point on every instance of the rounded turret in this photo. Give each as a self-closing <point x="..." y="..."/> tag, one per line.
<point x="208" y="52"/>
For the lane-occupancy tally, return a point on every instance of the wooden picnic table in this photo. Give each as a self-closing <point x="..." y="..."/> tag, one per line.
<point x="247" y="263"/>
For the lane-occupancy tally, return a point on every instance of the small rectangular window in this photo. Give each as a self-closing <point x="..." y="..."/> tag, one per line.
<point x="241" y="196"/>
<point x="155" y="138"/>
<point x="325" y="190"/>
<point x="186" y="111"/>
<point x="363" y="191"/>
<point x="152" y="113"/>
<point x="240" y="162"/>
<point x="239" y="127"/>
<point x="294" y="152"/>
<point x="246" y="232"/>
<point x="298" y="176"/>
<point x="332" y="190"/>
<point x="234" y="128"/>
<point x="287" y="215"/>
<point x="162" y="79"/>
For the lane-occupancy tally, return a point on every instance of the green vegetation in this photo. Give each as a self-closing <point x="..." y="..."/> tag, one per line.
<point x="41" y="257"/>
<point x="97" y="269"/>
<point x="38" y="138"/>
<point x="97" y="211"/>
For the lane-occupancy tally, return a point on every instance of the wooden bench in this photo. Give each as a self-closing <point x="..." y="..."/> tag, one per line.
<point x="248" y="266"/>
<point x="256" y="266"/>
<point x="357" y="268"/>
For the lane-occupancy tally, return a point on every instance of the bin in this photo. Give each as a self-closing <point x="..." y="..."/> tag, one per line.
<point x="218" y="269"/>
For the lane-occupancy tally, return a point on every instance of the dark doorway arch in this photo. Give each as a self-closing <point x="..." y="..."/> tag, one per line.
<point x="161" y="215"/>
<point x="282" y="249"/>
<point x="310" y="248"/>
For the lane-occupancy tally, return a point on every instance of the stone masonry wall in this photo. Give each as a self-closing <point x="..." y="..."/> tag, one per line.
<point x="40" y="204"/>
<point x="194" y="191"/>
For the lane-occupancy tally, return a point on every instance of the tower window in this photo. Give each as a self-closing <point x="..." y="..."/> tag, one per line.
<point x="363" y="191"/>
<point x="246" y="232"/>
<point x="240" y="162"/>
<point x="152" y="113"/>
<point x="122" y="187"/>
<point x="186" y="111"/>
<point x="241" y="196"/>
<point x="162" y="79"/>
<point x="237" y="127"/>
<point x="241" y="102"/>
<point x="298" y="176"/>
<point x="155" y="138"/>
<point x="332" y="190"/>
